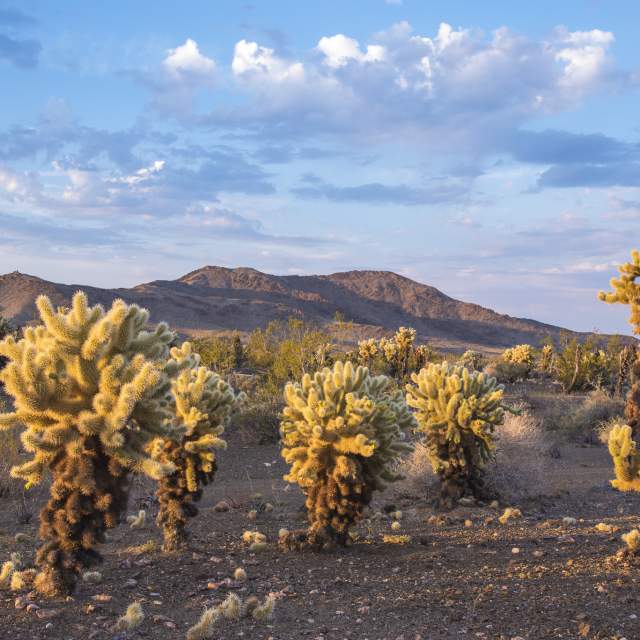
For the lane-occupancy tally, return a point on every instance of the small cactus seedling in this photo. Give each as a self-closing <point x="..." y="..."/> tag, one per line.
<point x="342" y="433"/>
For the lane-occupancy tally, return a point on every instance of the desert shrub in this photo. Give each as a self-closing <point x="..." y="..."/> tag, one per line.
<point x="472" y="360"/>
<point x="203" y="403"/>
<point x="90" y="389"/>
<point x="342" y="434"/>
<point x="583" y="421"/>
<point x="507" y="372"/>
<point x="221" y="354"/>
<point x="285" y="351"/>
<point x="521" y="457"/>
<point x="457" y="411"/>
<point x="581" y="366"/>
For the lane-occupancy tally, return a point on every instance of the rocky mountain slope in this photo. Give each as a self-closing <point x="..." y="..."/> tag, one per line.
<point x="217" y="299"/>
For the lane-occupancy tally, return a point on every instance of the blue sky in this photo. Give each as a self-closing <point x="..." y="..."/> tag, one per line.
<point x="489" y="149"/>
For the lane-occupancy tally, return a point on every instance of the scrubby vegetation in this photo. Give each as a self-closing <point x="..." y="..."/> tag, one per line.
<point x="101" y="396"/>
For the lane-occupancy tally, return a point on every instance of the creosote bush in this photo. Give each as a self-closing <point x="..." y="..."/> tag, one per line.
<point x="203" y="404"/>
<point x="342" y="433"/>
<point x="91" y="390"/>
<point x="457" y="411"/>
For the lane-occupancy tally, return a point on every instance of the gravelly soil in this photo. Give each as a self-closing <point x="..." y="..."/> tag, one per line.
<point x="533" y="578"/>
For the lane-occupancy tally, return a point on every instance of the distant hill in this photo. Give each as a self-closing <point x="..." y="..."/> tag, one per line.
<point x="217" y="299"/>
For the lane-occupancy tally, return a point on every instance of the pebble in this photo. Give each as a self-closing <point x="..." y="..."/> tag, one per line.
<point x="130" y="583"/>
<point x="221" y="506"/>
<point x="45" y="614"/>
<point x="515" y="550"/>
<point x="569" y="520"/>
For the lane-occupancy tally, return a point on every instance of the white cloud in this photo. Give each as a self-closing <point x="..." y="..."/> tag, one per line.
<point x="458" y="88"/>
<point x="187" y="59"/>
<point x="584" y="56"/>
<point x="339" y="50"/>
<point x="250" y="59"/>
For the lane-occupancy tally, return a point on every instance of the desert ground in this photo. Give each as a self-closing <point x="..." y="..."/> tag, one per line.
<point x="460" y="574"/>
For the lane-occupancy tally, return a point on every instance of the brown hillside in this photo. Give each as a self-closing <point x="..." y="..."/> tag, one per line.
<point x="217" y="299"/>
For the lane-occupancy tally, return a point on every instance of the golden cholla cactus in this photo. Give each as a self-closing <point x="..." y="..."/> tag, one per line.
<point x="520" y="354"/>
<point x="389" y="349"/>
<point x="91" y="390"/>
<point x="342" y="433"/>
<point x="627" y="291"/>
<point x="626" y="460"/>
<point x="471" y="360"/>
<point x="203" y="404"/>
<point x="547" y="356"/>
<point x="367" y="351"/>
<point x="457" y="411"/>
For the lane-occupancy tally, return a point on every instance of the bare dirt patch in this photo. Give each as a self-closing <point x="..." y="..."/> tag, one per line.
<point x="535" y="577"/>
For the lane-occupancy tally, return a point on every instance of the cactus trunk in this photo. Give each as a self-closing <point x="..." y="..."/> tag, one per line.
<point x="77" y="514"/>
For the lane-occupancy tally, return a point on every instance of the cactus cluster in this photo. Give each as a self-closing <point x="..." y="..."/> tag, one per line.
<point x="397" y="354"/>
<point x="91" y="389"/>
<point x="520" y="354"/>
<point x="202" y="404"/>
<point x="457" y="411"/>
<point x="342" y="433"/>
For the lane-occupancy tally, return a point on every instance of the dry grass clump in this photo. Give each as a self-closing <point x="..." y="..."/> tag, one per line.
<point x="596" y="408"/>
<point x="521" y="457"/>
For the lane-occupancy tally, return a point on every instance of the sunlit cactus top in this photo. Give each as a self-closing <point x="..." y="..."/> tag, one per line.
<point x="89" y="372"/>
<point x="626" y="290"/>
<point x="341" y="412"/>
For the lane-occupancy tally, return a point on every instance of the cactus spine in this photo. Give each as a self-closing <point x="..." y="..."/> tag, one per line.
<point x="90" y="389"/>
<point x="342" y="432"/>
<point x="203" y="403"/>
<point x="457" y="411"/>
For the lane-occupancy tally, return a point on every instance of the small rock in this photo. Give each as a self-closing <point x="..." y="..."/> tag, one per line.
<point x="515" y="550"/>
<point x="131" y="584"/>
<point x="46" y="614"/>
<point x="569" y="520"/>
<point x="538" y="554"/>
<point x="221" y="506"/>
<point x="467" y="502"/>
<point x="32" y="607"/>
<point x="468" y="523"/>
<point x="102" y="597"/>
<point x="22" y="602"/>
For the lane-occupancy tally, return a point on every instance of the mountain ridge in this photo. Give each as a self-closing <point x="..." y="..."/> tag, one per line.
<point x="215" y="299"/>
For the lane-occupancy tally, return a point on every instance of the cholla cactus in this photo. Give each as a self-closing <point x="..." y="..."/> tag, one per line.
<point x="203" y="404"/>
<point x="91" y="389"/>
<point x="389" y="349"/>
<point x="367" y="351"/>
<point x="520" y="354"/>
<point x="626" y="459"/>
<point x="627" y="291"/>
<point x="547" y="356"/>
<point x="457" y="412"/>
<point x="342" y="433"/>
<point x="473" y="360"/>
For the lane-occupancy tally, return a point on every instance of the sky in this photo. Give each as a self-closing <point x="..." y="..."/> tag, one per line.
<point x="489" y="149"/>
